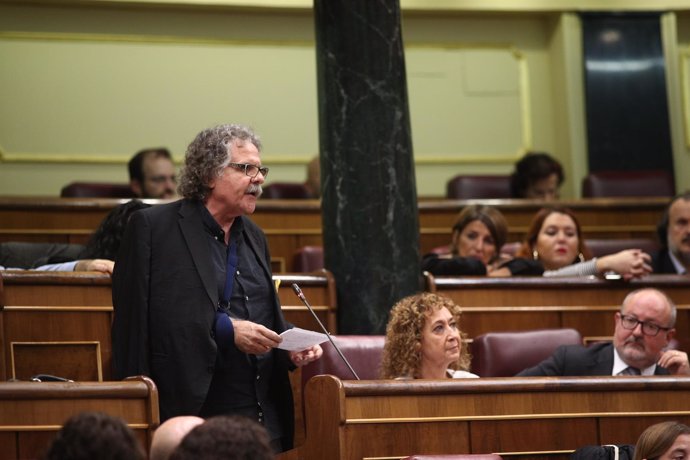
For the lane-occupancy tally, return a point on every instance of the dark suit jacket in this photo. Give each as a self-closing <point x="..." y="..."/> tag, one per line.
<point x="661" y="263"/>
<point x="576" y="360"/>
<point x="165" y="298"/>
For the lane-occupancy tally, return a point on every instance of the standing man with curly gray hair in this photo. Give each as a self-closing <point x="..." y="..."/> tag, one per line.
<point x="195" y="305"/>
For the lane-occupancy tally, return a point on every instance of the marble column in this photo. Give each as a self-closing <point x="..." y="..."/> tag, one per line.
<point x="370" y="219"/>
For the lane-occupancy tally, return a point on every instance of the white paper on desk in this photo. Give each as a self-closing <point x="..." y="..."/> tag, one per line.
<point x="297" y="339"/>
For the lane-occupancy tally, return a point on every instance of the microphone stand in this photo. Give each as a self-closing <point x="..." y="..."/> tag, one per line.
<point x="301" y="296"/>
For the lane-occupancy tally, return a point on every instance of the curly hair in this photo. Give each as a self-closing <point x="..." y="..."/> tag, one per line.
<point x="491" y="217"/>
<point x="90" y="435"/>
<point x="530" y="242"/>
<point x="105" y="241"/>
<point x="233" y="437"/>
<point x="402" y="352"/>
<point x="208" y="155"/>
<point x="531" y="168"/>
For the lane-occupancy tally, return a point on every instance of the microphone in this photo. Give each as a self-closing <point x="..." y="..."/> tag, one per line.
<point x="301" y="296"/>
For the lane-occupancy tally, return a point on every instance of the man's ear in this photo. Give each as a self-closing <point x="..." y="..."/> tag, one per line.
<point x="136" y="187"/>
<point x="670" y="335"/>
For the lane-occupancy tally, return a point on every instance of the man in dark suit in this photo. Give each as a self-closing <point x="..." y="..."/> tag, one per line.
<point x="674" y="235"/>
<point x="644" y="327"/>
<point x="195" y="305"/>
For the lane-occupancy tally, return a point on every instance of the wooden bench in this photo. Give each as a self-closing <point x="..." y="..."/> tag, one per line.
<point x="585" y="304"/>
<point x="31" y="413"/>
<point x="540" y="291"/>
<point x="292" y="224"/>
<point x="59" y="322"/>
<point x="517" y="418"/>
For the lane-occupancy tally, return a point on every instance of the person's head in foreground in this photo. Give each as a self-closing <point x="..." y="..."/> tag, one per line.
<point x="664" y="441"/>
<point x="225" y="437"/>
<point x="169" y="435"/>
<point x="423" y="339"/>
<point x="95" y="435"/>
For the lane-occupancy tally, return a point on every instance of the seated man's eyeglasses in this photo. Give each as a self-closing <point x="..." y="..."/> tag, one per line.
<point x="651" y="329"/>
<point x="250" y="170"/>
<point x="162" y="179"/>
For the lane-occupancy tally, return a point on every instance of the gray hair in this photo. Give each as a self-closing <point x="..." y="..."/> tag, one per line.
<point x="669" y="302"/>
<point x="208" y="155"/>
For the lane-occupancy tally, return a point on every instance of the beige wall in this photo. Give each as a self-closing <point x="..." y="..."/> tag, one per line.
<point x="83" y="88"/>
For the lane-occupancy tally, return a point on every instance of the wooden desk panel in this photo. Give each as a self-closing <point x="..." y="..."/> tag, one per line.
<point x="44" y="310"/>
<point x="290" y="224"/>
<point x="520" y="418"/>
<point x="539" y="291"/>
<point x="31" y="413"/>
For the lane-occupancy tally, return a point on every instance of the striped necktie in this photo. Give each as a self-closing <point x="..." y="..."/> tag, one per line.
<point x="630" y="371"/>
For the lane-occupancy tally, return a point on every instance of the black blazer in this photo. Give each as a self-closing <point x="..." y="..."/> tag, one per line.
<point x="576" y="360"/>
<point x="165" y="297"/>
<point x="661" y="263"/>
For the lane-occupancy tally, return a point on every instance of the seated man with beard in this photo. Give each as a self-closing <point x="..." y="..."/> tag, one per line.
<point x="644" y="327"/>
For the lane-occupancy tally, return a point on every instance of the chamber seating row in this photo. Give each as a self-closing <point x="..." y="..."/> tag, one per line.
<point x="595" y="184"/>
<point x="31" y="413"/>
<point x="516" y="418"/>
<point x="67" y="316"/>
<point x="292" y="224"/>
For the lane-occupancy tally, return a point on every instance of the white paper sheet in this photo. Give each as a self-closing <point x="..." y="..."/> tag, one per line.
<point x="297" y="339"/>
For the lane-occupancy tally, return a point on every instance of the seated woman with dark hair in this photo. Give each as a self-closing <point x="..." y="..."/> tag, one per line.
<point x="537" y="175"/>
<point x="555" y="241"/>
<point x="479" y="233"/>
<point x="99" y="253"/>
<point x="424" y="341"/>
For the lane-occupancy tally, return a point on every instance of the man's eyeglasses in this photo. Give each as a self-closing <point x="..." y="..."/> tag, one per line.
<point x="162" y="179"/>
<point x="250" y="170"/>
<point x="651" y="329"/>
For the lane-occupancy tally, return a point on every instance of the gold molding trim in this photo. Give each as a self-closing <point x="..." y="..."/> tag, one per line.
<point x="134" y="426"/>
<point x="58" y="309"/>
<point x="151" y="39"/>
<point x="277" y="159"/>
<point x="507" y="454"/>
<point x="497" y="6"/>
<point x="685" y="90"/>
<point x="462" y="418"/>
<point x="535" y="452"/>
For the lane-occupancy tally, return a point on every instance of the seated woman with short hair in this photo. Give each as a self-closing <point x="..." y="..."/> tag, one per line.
<point x="424" y="341"/>
<point x="555" y="242"/>
<point x="537" y="175"/>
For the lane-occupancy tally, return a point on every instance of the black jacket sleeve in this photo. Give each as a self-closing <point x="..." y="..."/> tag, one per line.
<point x="440" y="266"/>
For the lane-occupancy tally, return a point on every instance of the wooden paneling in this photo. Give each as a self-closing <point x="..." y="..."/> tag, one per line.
<point x="291" y="224"/>
<point x="514" y="417"/>
<point x="585" y="304"/>
<point x="539" y="291"/>
<point x="31" y="413"/>
<point x="40" y="310"/>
